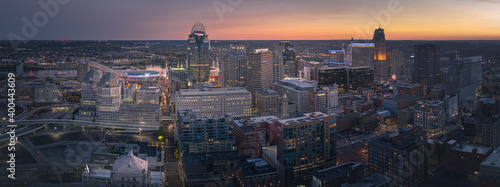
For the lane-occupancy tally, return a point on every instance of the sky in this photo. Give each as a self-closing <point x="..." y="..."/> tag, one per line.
<point x="250" y="19"/>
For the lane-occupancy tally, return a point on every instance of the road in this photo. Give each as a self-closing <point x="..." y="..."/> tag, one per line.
<point x="172" y="165"/>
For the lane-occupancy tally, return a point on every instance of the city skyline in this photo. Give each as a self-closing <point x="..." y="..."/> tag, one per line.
<point x="258" y="20"/>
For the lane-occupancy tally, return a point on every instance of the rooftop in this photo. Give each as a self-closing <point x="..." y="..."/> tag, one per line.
<point x="337" y="171"/>
<point x="202" y="158"/>
<point x="211" y="91"/>
<point x="403" y="98"/>
<point x="493" y="160"/>
<point x="257" y="166"/>
<point x="268" y="119"/>
<point x="471" y="148"/>
<point x="307" y="117"/>
<point x="267" y="92"/>
<point x="375" y="180"/>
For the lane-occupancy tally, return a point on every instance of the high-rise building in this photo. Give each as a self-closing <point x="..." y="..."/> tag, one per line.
<point x="278" y="67"/>
<point x="400" y="156"/>
<point x="430" y="116"/>
<point x="289" y="63"/>
<point x="297" y="92"/>
<point x="359" y="77"/>
<point x="360" y="54"/>
<point x="108" y="98"/>
<point x="177" y="78"/>
<point x="306" y="144"/>
<point x="89" y="89"/>
<point x="459" y="75"/>
<point x="203" y="134"/>
<point x="81" y="70"/>
<point x="426" y="67"/>
<point x="238" y="66"/>
<point x="215" y="101"/>
<point x="260" y="72"/>
<point x="198" y="55"/>
<point x="267" y="102"/>
<point x="395" y="60"/>
<point x="381" y="67"/>
<point x="333" y="75"/>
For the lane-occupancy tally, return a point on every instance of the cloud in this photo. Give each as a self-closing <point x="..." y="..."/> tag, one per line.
<point x="489" y="1"/>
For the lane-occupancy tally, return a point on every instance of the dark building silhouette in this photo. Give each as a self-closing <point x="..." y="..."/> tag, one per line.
<point x="426" y="66"/>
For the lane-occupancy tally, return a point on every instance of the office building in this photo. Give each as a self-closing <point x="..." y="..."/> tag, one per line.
<point x="108" y="106"/>
<point x="148" y="94"/>
<point x="459" y="75"/>
<point x="256" y="172"/>
<point x="333" y="75"/>
<point x="426" y="69"/>
<point x="359" y="77"/>
<point x="336" y="55"/>
<point x="360" y="54"/>
<point x="430" y="115"/>
<point x="297" y="92"/>
<point x="108" y="94"/>
<point x="47" y="93"/>
<point x="405" y="116"/>
<point x="489" y="170"/>
<point x="238" y="66"/>
<point x="491" y="132"/>
<point x="268" y="102"/>
<point x="306" y="144"/>
<point x="198" y="55"/>
<point x="463" y="159"/>
<point x="395" y="61"/>
<point x="177" y="78"/>
<point x="203" y="134"/>
<point x="82" y="68"/>
<point x="410" y="89"/>
<point x="381" y="67"/>
<point x="260" y="72"/>
<point x="237" y="102"/>
<point x="289" y="63"/>
<point x="400" y="156"/>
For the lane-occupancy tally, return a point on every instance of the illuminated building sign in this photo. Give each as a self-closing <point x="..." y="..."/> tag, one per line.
<point x="363" y="44"/>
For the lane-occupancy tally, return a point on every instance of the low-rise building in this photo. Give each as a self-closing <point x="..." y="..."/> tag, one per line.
<point x="349" y="172"/>
<point x="489" y="170"/>
<point x="256" y="172"/>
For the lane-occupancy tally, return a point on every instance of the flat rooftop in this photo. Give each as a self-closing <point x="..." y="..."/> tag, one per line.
<point x="493" y="160"/>
<point x="307" y="117"/>
<point x="257" y="166"/>
<point x="211" y="91"/>
<point x="337" y="171"/>
<point x="268" y="119"/>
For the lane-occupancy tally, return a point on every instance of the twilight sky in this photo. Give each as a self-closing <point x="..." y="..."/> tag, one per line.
<point x="253" y="19"/>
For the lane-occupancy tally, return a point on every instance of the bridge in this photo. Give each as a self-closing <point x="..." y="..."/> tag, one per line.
<point x="128" y="127"/>
<point x="105" y="69"/>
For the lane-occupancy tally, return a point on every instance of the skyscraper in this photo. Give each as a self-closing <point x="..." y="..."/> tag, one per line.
<point x="426" y="66"/>
<point x="237" y="66"/>
<point x="81" y="70"/>
<point x="395" y="62"/>
<point x="198" y="55"/>
<point x="288" y="54"/>
<point x="380" y="63"/>
<point x="360" y="54"/>
<point x="260" y="72"/>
